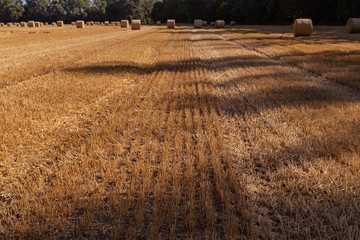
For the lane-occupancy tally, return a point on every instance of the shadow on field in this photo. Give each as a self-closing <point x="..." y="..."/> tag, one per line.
<point x="182" y="66"/>
<point x="194" y="31"/>
<point x="258" y="101"/>
<point x="321" y="34"/>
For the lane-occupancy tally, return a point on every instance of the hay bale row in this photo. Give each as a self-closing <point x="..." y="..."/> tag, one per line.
<point x="135" y="24"/>
<point x="170" y="23"/>
<point x="198" y="23"/>
<point x="303" y="27"/>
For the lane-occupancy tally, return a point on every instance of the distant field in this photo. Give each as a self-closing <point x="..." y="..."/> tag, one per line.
<point x="237" y="133"/>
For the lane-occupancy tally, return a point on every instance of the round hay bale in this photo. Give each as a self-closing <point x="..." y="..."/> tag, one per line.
<point x="212" y="23"/>
<point x="171" y="23"/>
<point x="37" y="24"/>
<point x="135" y="24"/>
<point x="232" y="23"/>
<point x="353" y="25"/>
<point x="54" y="24"/>
<point x="198" y="23"/>
<point x="23" y="24"/>
<point x="158" y="22"/>
<point x="60" y="23"/>
<point x="31" y="24"/>
<point x="219" y="23"/>
<point x="303" y="27"/>
<point x="107" y="23"/>
<point x="9" y="24"/>
<point x="124" y="23"/>
<point x="204" y="23"/>
<point x="2" y="24"/>
<point x="80" y="24"/>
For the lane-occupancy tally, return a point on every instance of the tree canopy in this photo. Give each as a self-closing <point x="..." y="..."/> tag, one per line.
<point x="241" y="11"/>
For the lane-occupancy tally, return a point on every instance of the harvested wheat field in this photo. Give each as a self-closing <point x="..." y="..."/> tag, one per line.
<point x="243" y="133"/>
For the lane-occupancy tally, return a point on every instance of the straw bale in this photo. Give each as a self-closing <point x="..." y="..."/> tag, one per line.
<point x="31" y="24"/>
<point x="125" y="23"/>
<point x="353" y="25"/>
<point x="135" y="24"/>
<point x="80" y="24"/>
<point x="198" y="23"/>
<point x="171" y="23"/>
<point x="219" y="23"/>
<point x="303" y="27"/>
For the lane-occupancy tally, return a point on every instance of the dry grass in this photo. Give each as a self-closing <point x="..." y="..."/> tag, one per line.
<point x="330" y="51"/>
<point x="193" y="134"/>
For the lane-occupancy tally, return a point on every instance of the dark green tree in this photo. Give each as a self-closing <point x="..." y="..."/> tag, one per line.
<point x="10" y="10"/>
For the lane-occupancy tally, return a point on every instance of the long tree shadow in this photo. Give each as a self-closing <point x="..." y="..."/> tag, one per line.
<point x="262" y="100"/>
<point x="334" y="35"/>
<point x="213" y="64"/>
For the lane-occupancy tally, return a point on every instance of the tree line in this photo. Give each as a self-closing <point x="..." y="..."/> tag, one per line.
<point x="241" y="11"/>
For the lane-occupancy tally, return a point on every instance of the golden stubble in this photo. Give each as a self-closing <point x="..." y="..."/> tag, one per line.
<point x="175" y="134"/>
